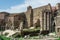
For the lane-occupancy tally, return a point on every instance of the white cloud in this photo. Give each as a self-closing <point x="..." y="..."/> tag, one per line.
<point x="16" y="9"/>
<point x="37" y="3"/>
<point x="33" y="3"/>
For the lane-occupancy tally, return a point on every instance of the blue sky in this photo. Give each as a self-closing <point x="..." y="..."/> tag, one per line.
<point x="4" y="4"/>
<point x="16" y="6"/>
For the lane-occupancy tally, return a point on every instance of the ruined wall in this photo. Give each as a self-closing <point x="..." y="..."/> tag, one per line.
<point x="32" y="18"/>
<point x="3" y="19"/>
<point x="28" y="16"/>
<point x="58" y="6"/>
<point x="18" y="19"/>
<point x="10" y="22"/>
<point x="57" y="19"/>
<point x="14" y="20"/>
<point x="38" y="14"/>
<point x="35" y="14"/>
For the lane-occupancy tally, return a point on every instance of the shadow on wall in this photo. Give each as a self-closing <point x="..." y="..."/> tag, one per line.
<point x="22" y="18"/>
<point x="25" y="23"/>
<point x="2" y="25"/>
<point x="37" y="24"/>
<point x="31" y="18"/>
<point x="55" y="13"/>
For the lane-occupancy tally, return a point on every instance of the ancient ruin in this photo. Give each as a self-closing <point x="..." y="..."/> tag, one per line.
<point x="44" y="17"/>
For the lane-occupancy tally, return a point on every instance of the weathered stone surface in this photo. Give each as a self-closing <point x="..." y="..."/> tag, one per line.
<point x="37" y="17"/>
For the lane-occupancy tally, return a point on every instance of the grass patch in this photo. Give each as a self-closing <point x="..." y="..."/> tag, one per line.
<point x="58" y="38"/>
<point x="4" y="38"/>
<point x="31" y="30"/>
